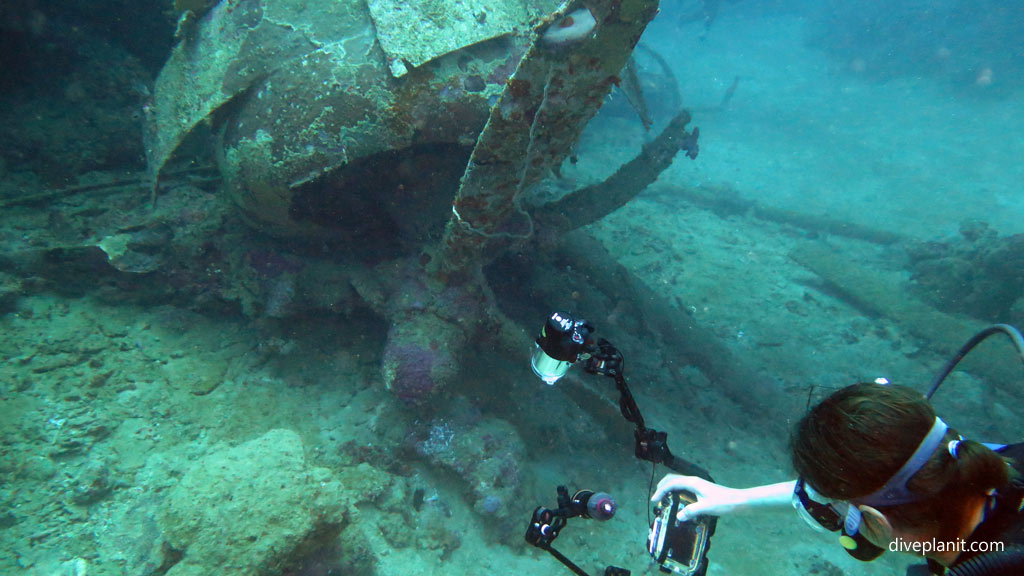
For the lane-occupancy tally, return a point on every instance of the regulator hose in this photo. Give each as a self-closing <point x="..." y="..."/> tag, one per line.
<point x="978" y="338"/>
<point x="1009" y="562"/>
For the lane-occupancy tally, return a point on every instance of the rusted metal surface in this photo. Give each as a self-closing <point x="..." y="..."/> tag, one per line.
<point x="557" y="88"/>
<point x="315" y="137"/>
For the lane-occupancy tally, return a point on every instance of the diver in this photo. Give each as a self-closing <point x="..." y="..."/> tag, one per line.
<point x="876" y="465"/>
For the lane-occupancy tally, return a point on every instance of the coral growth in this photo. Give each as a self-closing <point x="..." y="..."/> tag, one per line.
<point x="420" y="355"/>
<point x="412" y="372"/>
<point x="485" y="453"/>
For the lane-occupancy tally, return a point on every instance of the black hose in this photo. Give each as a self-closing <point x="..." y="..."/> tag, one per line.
<point x="1006" y="563"/>
<point x="1010" y="331"/>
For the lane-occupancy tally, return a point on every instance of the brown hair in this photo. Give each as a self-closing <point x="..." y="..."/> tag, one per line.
<point x="850" y="444"/>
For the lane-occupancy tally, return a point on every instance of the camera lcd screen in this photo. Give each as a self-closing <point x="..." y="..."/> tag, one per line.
<point x="678" y="547"/>
<point x="681" y="541"/>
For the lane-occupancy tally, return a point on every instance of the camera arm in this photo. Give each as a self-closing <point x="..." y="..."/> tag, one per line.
<point x="651" y="445"/>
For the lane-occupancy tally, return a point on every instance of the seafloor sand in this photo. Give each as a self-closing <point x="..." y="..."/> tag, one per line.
<point x="800" y="133"/>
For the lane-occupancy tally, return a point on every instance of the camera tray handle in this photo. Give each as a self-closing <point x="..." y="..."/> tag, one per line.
<point x="609" y="571"/>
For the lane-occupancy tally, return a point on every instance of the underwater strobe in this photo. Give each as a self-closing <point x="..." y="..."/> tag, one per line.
<point x="546" y="523"/>
<point x="562" y="341"/>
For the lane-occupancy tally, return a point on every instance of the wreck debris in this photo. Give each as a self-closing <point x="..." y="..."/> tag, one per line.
<point x="198" y="79"/>
<point x="634" y="92"/>
<point x="192" y="173"/>
<point x="729" y="92"/>
<point x="316" y="108"/>
<point x="414" y="33"/>
<point x="197" y="7"/>
<point x="531" y="130"/>
<point x="883" y="294"/>
<point x="668" y="79"/>
<point x="725" y="200"/>
<point x="980" y="273"/>
<point x="304" y="158"/>
<point x="592" y="203"/>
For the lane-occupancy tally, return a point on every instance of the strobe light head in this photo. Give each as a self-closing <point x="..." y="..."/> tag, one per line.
<point x="598" y="505"/>
<point x="562" y="341"/>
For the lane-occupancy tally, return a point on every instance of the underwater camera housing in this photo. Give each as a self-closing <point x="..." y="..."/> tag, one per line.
<point x="680" y="547"/>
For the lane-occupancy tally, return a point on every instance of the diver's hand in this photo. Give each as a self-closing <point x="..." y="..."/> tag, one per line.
<point x="712" y="499"/>
<point x="717" y="500"/>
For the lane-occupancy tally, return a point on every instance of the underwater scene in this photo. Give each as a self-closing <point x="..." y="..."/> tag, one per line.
<point x="415" y="287"/>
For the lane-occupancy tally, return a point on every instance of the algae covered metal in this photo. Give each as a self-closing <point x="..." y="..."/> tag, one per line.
<point x="334" y="115"/>
<point x="360" y="123"/>
<point x="557" y="88"/>
<point x="414" y="33"/>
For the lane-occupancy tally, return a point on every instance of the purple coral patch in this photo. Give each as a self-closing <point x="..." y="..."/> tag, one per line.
<point x="412" y="365"/>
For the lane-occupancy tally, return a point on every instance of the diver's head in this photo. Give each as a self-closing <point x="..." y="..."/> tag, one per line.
<point x="881" y="446"/>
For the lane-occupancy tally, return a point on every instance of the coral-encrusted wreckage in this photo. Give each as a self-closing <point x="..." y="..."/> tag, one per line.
<point x="354" y="129"/>
<point x="387" y="171"/>
<point x="389" y="157"/>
